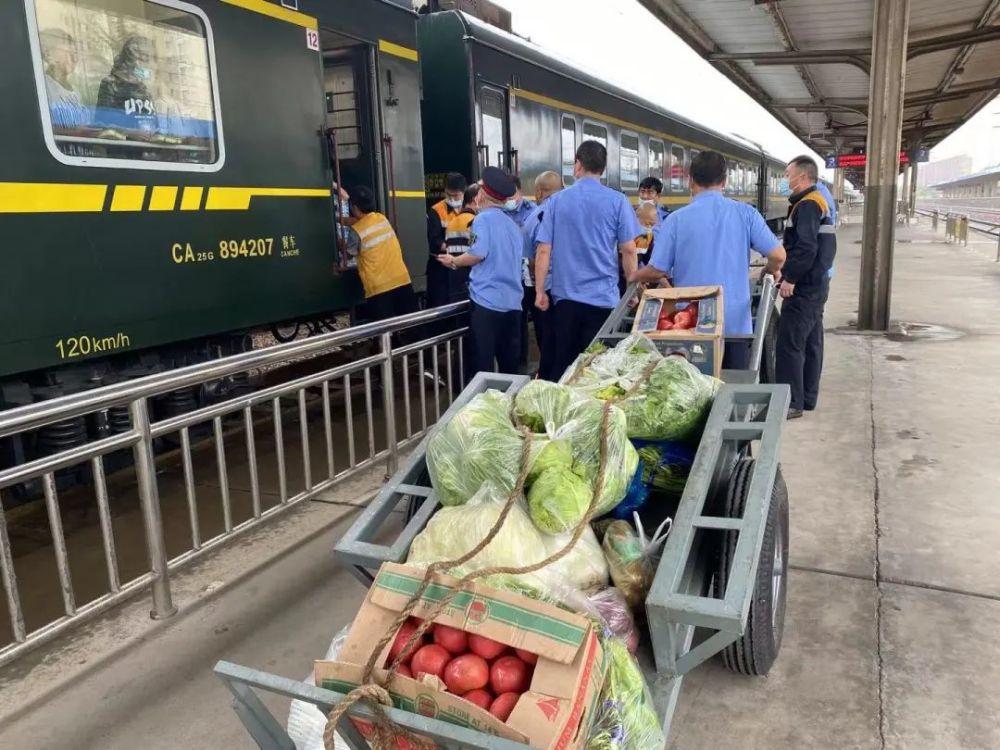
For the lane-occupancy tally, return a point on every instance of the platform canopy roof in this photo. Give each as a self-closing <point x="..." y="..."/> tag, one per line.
<point x="808" y="61"/>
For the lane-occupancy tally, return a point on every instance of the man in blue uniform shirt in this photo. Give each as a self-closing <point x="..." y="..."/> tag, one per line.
<point x="517" y="206"/>
<point x="495" y="251"/>
<point x="650" y="190"/>
<point x="547" y="184"/>
<point x="708" y="243"/>
<point x="583" y="231"/>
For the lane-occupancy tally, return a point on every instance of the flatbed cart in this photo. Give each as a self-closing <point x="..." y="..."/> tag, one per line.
<point x="719" y="586"/>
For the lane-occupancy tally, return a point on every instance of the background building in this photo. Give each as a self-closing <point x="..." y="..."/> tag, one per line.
<point x="944" y="170"/>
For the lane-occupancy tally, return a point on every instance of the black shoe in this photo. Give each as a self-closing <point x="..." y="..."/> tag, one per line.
<point x="795" y="414"/>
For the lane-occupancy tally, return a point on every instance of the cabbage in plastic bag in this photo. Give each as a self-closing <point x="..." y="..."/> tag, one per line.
<point x="453" y="531"/>
<point x="558" y="500"/>
<point x="478" y="443"/>
<point x="625" y="719"/>
<point x="557" y="413"/>
<point x="671" y="404"/>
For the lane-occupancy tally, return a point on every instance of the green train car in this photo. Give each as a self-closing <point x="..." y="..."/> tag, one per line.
<point x="165" y="183"/>
<point x="493" y="98"/>
<point x="165" y="174"/>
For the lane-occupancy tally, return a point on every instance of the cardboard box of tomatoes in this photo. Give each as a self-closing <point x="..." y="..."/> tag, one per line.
<point x="493" y="661"/>
<point x="686" y="321"/>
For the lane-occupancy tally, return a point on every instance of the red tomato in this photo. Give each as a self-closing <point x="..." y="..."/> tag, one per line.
<point x="485" y="647"/>
<point x="526" y="656"/>
<point x="453" y="640"/>
<point x="430" y="659"/>
<point x="509" y="675"/>
<point x="504" y="705"/>
<point x="465" y="673"/>
<point x="482" y="698"/>
<point x="404" y="670"/>
<point x="664" y="324"/>
<point x="402" y="637"/>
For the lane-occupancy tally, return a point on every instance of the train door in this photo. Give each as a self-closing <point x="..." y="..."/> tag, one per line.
<point x="493" y="146"/>
<point x="352" y="119"/>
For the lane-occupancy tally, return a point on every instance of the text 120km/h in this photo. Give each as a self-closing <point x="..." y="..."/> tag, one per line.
<point x="85" y="345"/>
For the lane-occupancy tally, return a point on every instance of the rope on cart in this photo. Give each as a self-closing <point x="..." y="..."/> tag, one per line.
<point x="385" y="731"/>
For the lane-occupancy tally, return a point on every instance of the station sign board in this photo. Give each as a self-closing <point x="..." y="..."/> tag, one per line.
<point x="860" y="161"/>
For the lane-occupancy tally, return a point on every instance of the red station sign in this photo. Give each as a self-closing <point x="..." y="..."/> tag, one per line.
<point x="858" y="161"/>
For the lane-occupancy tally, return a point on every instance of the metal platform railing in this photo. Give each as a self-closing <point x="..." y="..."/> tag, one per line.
<point x="392" y="377"/>
<point x="958" y="222"/>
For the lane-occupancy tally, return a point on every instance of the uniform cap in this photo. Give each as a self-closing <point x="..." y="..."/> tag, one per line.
<point x="498" y="184"/>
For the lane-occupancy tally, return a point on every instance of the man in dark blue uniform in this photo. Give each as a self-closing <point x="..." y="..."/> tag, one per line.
<point x="585" y="229"/>
<point x="494" y="255"/>
<point x="811" y="244"/>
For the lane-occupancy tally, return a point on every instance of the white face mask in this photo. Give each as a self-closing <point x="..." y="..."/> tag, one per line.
<point x="511" y="205"/>
<point x="454" y="202"/>
<point x="646" y="202"/>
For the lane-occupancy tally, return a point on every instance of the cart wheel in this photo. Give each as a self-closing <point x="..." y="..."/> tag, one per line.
<point x="769" y="349"/>
<point x="755" y="651"/>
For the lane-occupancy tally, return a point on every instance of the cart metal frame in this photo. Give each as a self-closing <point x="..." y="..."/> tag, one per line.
<point x="688" y="624"/>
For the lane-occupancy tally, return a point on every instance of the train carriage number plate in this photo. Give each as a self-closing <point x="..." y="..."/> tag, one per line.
<point x="312" y="39"/>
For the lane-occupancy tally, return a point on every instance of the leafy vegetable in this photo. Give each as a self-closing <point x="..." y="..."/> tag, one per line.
<point x="558" y="500"/>
<point x="625" y="717"/>
<point x="671" y="404"/>
<point x="478" y="443"/>
<point x="453" y="531"/>
<point x="555" y="454"/>
<point x="576" y="418"/>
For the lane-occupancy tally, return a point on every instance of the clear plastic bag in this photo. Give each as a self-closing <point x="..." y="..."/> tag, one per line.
<point x="626" y="719"/>
<point x="610" y="606"/>
<point x="306" y="723"/>
<point x="671" y="404"/>
<point x="557" y="414"/>
<point x="632" y="557"/>
<point x="478" y="443"/>
<point x="626" y="563"/>
<point x="451" y="532"/>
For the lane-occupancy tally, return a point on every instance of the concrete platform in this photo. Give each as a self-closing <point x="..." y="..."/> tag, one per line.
<point x="894" y="597"/>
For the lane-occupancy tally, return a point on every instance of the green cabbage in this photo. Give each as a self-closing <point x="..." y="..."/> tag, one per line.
<point x="558" y="500"/>
<point x="672" y="403"/>
<point x="575" y="417"/>
<point x="554" y="454"/>
<point x="476" y="444"/>
<point x="453" y="531"/>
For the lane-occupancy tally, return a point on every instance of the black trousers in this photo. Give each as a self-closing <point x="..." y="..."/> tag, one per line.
<point x="573" y="326"/>
<point x="495" y="337"/>
<point x="799" y="350"/>
<point x="537" y="318"/>
<point x="398" y="301"/>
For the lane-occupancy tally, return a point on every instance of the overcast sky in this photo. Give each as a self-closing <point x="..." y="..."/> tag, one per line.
<point x="626" y="45"/>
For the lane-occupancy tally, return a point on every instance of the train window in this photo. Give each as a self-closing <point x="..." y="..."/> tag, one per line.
<point x="492" y="106"/>
<point x="629" y="160"/>
<point x="127" y="83"/>
<point x="678" y="169"/>
<point x="568" y="149"/>
<point x="656" y="158"/>
<point x="342" y="109"/>
<point x="732" y="179"/>
<point x="594" y="132"/>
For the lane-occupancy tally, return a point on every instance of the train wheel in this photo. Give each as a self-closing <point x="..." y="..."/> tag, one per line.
<point x="755" y="651"/>
<point x="285" y="332"/>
